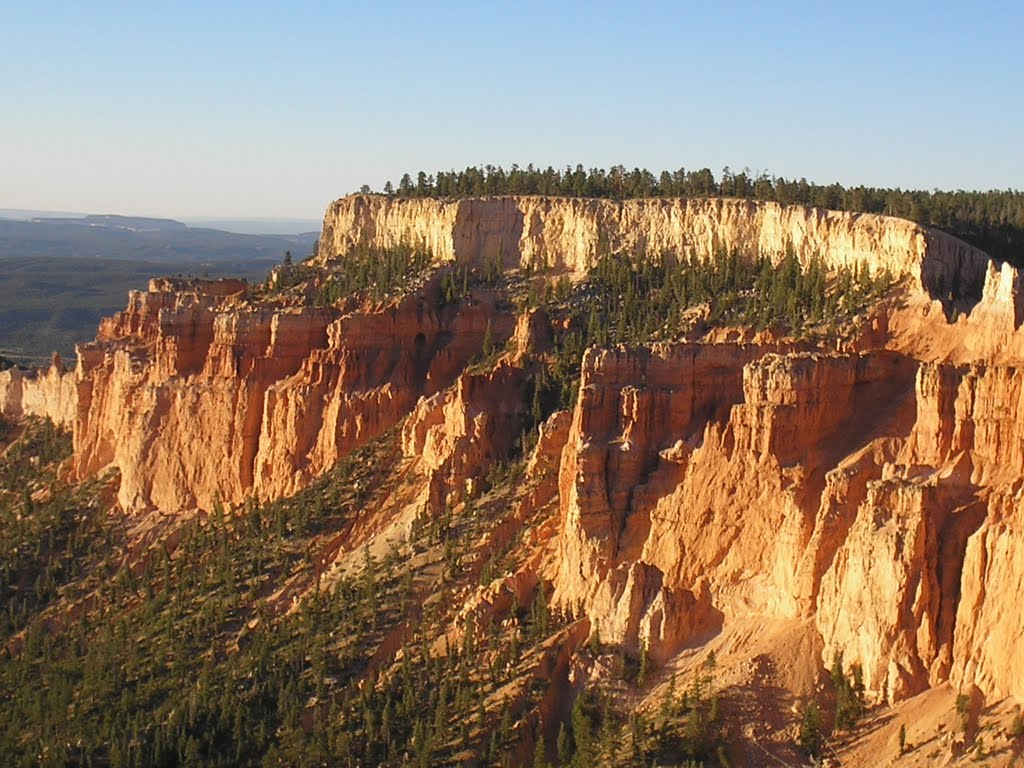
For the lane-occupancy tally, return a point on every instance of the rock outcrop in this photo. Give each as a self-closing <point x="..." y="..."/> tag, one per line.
<point x="460" y="432"/>
<point x="197" y="394"/>
<point x="48" y="394"/>
<point x="874" y="493"/>
<point x="569" y="234"/>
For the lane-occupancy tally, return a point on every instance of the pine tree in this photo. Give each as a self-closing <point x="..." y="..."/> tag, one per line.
<point x="563" y="748"/>
<point x="505" y="726"/>
<point x="641" y="677"/>
<point x="488" y="343"/>
<point x="582" y="733"/>
<point x="849" y="696"/>
<point x="963" y="709"/>
<point x="810" y="730"/>
<point x="540" y="758"/>
<point x="668" y="700"/>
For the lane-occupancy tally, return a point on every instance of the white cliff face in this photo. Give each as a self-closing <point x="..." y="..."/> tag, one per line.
<point x="48" y="394"/>
<point x="569" y="234"/>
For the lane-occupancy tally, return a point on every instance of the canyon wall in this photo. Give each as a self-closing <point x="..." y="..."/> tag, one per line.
<point x="570" y="234"/>
<point x="871" y="488"/>
<point x="196" y="393"/>
<point x="874" y="494"/>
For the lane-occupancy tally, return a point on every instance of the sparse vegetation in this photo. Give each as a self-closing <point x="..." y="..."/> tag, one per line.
<point x="963" y="711"/>
<point x="181" y="656"/>
<point x="638" y="299"/>
<point x="41" y="521"/>
<point x="1017" y="725"/>
<point x="178" y="657"/>
<point x="195" y="654"/>
<point x="688" y="726"/>
<point x="376" y="273"/>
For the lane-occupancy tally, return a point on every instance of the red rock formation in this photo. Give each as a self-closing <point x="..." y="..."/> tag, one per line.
<point x="853" y="488"/>
<point x="870" y="491"/>
<point x="989" y="634"/>
<point x="197" y="394"/>
<point x="458" y="433"/>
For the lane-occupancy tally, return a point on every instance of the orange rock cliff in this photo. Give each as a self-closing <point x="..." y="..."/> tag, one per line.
<point x="871" y="489"/>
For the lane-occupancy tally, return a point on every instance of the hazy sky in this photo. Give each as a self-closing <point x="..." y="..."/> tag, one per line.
<point x="274" y="109"/>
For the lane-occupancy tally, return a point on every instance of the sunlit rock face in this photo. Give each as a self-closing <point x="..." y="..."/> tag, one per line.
<point x="196" y="394"/>
<point x="869" y="487"/>
<point x="48" y="393"/>
<point x="571" y="233"/>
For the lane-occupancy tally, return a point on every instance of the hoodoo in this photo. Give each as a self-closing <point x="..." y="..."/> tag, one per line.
<point x="847" y="483"/>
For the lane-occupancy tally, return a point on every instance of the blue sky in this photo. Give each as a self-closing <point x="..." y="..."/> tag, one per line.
<point x="272" y="109"/>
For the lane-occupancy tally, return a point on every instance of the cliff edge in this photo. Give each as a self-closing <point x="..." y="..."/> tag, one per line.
<point x="569" y="234"/>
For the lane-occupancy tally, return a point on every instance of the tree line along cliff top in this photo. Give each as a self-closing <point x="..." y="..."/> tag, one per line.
<point x="991" y="220"/>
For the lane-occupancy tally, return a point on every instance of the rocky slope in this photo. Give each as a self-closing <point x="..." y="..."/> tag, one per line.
<point x="867" y="488"/>
<point x="868" y="491"/>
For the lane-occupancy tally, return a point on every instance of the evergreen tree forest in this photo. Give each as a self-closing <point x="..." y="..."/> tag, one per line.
<point x="991" y="220"/>
<point x="371" y="273"/>
<point x="177" y="657"/>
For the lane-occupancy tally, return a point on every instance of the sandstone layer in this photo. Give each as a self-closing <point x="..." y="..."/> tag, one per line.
<point x="197" y="394"/>
<point x="570" y="234"/>
<point x="870" y="490"/>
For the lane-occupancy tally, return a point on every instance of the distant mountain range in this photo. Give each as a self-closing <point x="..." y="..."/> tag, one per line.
<point x="59" y="273"/>
<point x="259" y="226"/>
<point x="138" y="238"/>
<point x="245" y="226"/>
